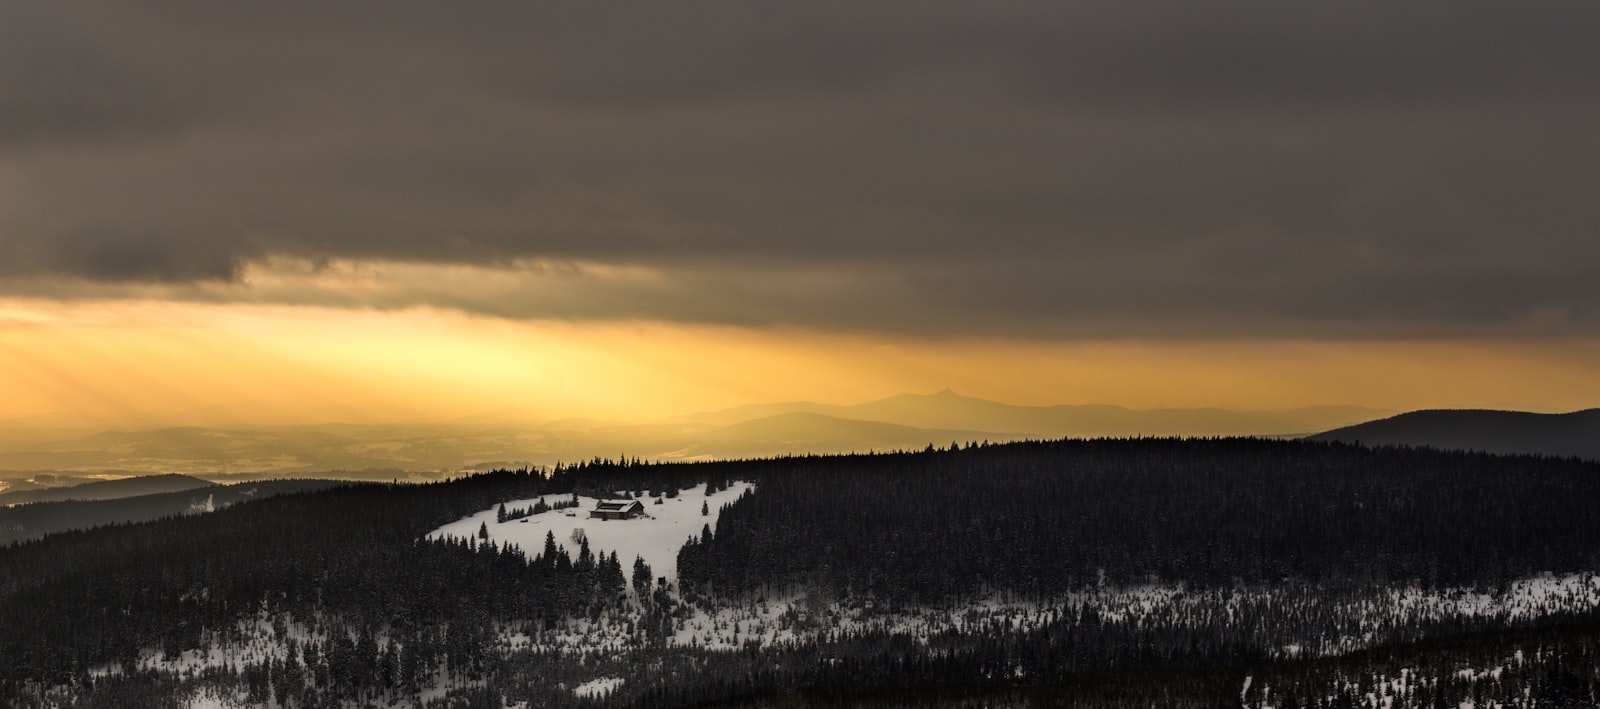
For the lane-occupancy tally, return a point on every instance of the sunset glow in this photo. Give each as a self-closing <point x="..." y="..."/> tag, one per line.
<point x="538" y="212"/>
<point x="126" y="363"/>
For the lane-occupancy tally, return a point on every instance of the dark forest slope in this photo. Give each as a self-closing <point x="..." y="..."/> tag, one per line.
<point x="1046" y="518"/>
<point x="36" y="519"/>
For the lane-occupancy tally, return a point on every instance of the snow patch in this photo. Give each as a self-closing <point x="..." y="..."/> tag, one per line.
<point x="597" y="687"/>
<point x="657" y="535"/>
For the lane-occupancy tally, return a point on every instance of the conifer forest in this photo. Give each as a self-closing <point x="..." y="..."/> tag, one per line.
<point x="1093" y="573"/>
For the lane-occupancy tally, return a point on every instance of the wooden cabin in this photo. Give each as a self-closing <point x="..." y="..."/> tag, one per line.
<point x="616" y="509"/>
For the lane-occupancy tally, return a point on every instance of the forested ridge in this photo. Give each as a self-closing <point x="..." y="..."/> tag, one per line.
<point x="1266" y="543"/>
<point x="1047" y="518"/>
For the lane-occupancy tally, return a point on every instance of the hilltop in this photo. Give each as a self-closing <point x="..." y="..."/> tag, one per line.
<point x="1570" y="434"/>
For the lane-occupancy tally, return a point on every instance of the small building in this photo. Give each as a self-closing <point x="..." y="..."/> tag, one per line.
<point x="616" y="509"/>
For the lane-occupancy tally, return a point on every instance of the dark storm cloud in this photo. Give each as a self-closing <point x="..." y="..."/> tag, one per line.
<point x="1147" y="168"/>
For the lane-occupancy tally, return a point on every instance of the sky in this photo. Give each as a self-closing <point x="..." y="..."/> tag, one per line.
<point x="412" y="210"/>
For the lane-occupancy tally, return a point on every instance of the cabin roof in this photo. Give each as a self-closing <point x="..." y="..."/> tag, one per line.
<point x="616" y="505"/>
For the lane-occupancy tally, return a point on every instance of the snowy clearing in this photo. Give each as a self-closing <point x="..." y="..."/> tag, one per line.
<point x="657" y="536"/>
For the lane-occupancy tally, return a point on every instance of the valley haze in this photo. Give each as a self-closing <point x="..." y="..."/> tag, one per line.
<point x="382" y="452"/>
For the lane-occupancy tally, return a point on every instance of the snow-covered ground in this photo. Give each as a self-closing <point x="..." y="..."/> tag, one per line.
<point x="657" y="536"/>
<point x="792" y="618"/>
<point x="1384" y="690"/>
<point x="260" y="639"/>
<point x="789" y="618"/>
<point x="1522" y="600"/>
<point x="209" y="698"/>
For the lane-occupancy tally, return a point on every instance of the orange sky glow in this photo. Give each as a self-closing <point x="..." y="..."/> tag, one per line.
<point x="129" y="363"/>
<point x="544" y="211"/>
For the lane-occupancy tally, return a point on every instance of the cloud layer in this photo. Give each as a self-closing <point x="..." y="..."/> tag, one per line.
<point x="1149" y="168"/>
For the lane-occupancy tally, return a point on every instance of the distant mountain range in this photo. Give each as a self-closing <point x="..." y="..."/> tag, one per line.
<point x="804" y="432"/>
<point x="40" y="468"/>
<point x="1575" y="434"/>
<point x="949" y="410"/>
<point x="909" y="421"/>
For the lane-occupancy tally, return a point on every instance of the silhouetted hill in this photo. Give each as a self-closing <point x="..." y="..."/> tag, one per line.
<point x="1571" y="434"/>
<point x="108" y="489"/>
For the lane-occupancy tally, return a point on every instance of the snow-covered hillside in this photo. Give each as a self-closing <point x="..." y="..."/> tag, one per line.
<point x="596" y="654"/>
<point x="657" y="536"/>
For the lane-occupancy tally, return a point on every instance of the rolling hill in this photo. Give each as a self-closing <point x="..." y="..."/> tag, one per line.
<point x="1571" y="434"/>
<point x="107" y="489"/>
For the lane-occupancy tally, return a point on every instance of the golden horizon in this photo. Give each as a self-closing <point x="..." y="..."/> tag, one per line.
<point x="156" y="363"/>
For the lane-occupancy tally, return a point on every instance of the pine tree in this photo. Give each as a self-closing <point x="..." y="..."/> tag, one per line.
<point x="500" y="516"/>
<point x="389" y="666"/>
<point x="585" y="557"/>
<point x="549" y="554"/>
<point x="483" y="531"/>
<point x="641" y="576"/>
<point x="610" y="582"/>
<point x="366" y="660"/>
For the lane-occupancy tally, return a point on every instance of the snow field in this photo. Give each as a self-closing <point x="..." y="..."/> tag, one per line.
<point x="657" y="536"/>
